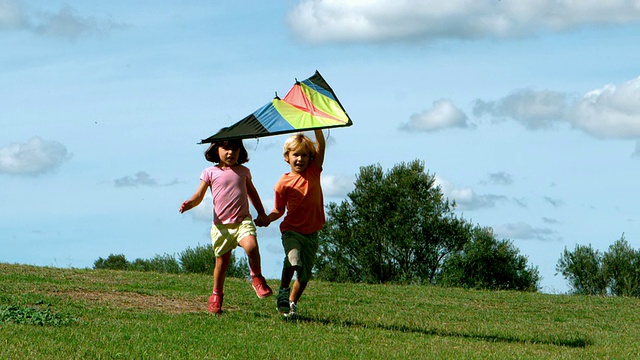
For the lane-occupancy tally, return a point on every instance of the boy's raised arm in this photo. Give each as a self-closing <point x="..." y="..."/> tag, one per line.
<point x="320" y="147"/>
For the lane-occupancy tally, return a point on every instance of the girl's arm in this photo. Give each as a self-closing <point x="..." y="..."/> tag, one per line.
<point x="254" y="197"/>
<point x="261" y="220"/>
<point x="320" y="147"/>
<point x="196" y="198"/>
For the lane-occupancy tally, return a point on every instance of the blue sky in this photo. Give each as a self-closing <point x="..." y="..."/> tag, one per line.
<point x="527" y="112"/>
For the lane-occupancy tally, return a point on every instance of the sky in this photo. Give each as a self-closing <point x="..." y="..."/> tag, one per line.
<point x="527" y="112"/>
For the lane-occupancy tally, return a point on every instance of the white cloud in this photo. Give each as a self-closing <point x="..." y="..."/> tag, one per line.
<point x="65" y="23"/>
<point x="319" y="21"/>
<point x="608" y="112"/>
<point x="35" y="157"/>
<point x="11" y="15"/>
<point x="553" y="202"/>
<point x="466" y="198"/>
<point x="204" y="211"/>
<point x="442" y="115"/>
<point x="141" y="178"/>
<point x="636" y="153"/>
<point x="611" y="111"/>
<point x="533" y="109"/>
<point x="499" y="178"/>
<point x="337" y="185"/>
<point x="524" y="231"/>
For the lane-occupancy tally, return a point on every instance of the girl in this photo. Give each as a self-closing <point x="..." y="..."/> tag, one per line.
<point x="231" y="185"/>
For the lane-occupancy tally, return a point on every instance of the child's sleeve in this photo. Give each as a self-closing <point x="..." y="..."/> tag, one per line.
<point x="280" y="201"/>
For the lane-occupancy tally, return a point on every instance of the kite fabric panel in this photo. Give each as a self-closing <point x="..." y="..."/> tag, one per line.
<point x="310" y="104"/>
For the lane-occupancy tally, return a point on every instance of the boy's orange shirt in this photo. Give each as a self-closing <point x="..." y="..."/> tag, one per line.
<point x="301" y="195"/>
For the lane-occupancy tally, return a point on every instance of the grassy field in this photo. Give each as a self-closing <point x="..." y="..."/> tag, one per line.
<point x="51" y="313"/>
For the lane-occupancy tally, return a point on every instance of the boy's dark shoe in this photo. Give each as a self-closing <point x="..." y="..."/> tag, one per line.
<point x="282" y="300"/>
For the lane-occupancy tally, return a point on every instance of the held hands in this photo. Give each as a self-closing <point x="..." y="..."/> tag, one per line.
<point x="262" y="220"/>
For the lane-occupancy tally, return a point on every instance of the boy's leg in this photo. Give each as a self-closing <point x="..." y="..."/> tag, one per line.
<point x="287" y="276"/>
<point x="297" y="290"/>
<point x="282" y="300"/>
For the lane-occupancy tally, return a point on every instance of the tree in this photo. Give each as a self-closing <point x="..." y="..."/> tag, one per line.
<point x="486" y="263"/>
<point x="583" y="269"/>
<point x="394" y="227"/>
<point x="621" y="268"/>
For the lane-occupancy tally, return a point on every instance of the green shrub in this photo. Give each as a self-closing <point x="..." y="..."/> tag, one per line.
<point x="165" y="264"/>
<point x="198" y="260"/>
<point x="238" y="268"/>
<point x="112" y="262"/>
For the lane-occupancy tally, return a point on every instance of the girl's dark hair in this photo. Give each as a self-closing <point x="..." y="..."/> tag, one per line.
<point x="213" y="156"/>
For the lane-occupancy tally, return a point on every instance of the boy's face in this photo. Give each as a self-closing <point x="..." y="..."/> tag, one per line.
<point x="298" y="159"/>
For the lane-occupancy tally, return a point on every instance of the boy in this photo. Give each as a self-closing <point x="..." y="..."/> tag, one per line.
<point x="299" y="192"/>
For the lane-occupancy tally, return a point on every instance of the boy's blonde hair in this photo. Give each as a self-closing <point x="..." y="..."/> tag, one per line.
<point x="299" y="141"/>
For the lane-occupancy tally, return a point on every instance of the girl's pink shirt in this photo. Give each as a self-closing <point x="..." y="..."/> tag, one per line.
<point x="229" y="191"/>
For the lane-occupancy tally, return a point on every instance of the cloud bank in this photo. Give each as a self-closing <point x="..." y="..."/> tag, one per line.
<point x="65" y="23"/>
<point x="141" y="178"/>
<point x="612" y="111"/>
<point x="35" y="157"/>
<point x="442" y="115"/>
<point x="383" y="21"/>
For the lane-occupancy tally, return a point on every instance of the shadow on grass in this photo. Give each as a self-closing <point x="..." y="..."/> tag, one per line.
<point x="574" y="341"/>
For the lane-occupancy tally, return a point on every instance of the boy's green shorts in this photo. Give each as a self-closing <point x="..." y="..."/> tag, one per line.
<point x="300" y="250"/>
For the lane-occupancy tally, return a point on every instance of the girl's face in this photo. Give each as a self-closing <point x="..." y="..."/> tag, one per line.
<point x="228" y="157"/>
<point x="298" y="159"/>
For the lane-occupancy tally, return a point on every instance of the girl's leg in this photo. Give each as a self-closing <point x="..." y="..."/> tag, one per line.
<point x="220" y="272"/>
<point x="250" y="245"/>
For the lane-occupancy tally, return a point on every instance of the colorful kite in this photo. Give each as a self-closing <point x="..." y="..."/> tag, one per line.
<point x="310" y="104"/>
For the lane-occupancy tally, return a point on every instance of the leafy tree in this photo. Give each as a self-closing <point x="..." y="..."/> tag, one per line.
<point x="584" y="270"/>
<point x="621" y="267"/>
<point x="394" y="227"/>
<point x="486" y="263"/>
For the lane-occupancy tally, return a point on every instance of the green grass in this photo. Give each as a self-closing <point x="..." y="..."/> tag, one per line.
<point x="51" y="313"/>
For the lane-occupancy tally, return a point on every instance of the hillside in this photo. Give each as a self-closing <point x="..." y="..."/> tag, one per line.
<point x="52" y="313"/>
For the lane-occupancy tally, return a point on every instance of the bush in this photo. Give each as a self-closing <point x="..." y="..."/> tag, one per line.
<point x="238" y="268"/>
<point x="487" y="263"/>
<point x="112" y="262"/>
<point x="198" y="260"/>
<point x="165" y="264"/>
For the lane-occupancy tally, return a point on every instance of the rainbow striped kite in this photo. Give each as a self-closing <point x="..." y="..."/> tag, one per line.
<point x="310" y="104"/>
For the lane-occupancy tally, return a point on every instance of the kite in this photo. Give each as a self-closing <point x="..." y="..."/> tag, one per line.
<point x="310" y="104"/>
